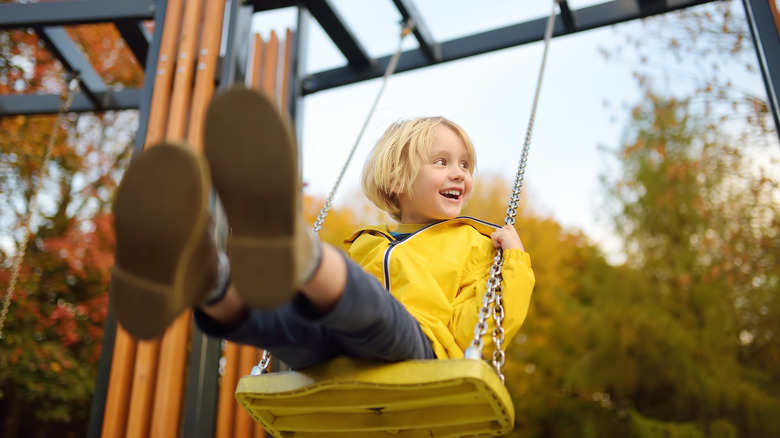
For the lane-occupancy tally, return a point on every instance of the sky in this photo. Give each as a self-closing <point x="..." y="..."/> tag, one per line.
<point x="582" y="109"/>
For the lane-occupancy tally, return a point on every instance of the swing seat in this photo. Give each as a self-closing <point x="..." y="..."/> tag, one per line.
<point x="358" y="398"/>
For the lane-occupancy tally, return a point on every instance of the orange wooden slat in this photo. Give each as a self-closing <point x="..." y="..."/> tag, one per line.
<point x="257" y="63"/>
<point x="144" y="377"/>
<point x="775" y="15"/>
<point x="169" y="390"/>
<point x="227" y="402"/>
<point x="168" y="394"/>
<point x="284" y="91"/>
<point x="146" y="367"/>
<point x="270" y="65"/>
<point x="161" y="94"/>
<point x="207" y="66"/>
<point x="119" y="384"/>
<point x="185" y="70"/>
<point x="122" y="381"/>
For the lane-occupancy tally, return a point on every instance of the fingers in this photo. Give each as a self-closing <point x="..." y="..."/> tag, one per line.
<point x="506" y="237"/>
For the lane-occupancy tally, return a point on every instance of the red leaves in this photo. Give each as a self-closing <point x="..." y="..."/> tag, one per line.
<point x="86" y="253"/>
<point x="108" y="53"/>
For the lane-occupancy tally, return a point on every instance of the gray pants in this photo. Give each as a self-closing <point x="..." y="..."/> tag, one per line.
<point x="367" y="322"/>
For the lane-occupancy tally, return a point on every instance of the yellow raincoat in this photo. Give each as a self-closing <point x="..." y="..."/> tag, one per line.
<point x="440" y="274"/>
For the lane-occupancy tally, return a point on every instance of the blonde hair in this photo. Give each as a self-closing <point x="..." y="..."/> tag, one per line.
<point x="392" y="166"/>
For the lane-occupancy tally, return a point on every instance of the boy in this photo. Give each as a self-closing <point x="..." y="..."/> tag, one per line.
<point x="282" y="289"/>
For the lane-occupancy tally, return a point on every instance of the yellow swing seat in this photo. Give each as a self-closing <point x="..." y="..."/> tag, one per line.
<point x="347" y="398"/>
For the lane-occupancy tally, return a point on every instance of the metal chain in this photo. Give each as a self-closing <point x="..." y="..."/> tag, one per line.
<point x="493" y="295"/>
<point x="17" y="264"/>
<point x="407" y="29"/>
<point x="262" y="366"/>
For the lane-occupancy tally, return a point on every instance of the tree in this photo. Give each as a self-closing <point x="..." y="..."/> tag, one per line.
<point x="701" y="227"/>
<point x="51" y="340"/>
<point x="664" y="345"/>
<point x="343" y="220"/>
<point x="699" y="217"/>
<point x="707" y="54"/>
<point x="570" y="272"/>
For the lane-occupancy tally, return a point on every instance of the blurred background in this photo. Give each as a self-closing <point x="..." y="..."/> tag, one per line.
<point x="651" y="211"/>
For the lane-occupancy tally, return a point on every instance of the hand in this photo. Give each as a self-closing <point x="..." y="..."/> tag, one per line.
<point x="506" y="238"/>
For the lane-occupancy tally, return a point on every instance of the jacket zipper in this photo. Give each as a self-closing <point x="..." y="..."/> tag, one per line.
<point x="391" y="246"/>
<point x="392" y="243"/>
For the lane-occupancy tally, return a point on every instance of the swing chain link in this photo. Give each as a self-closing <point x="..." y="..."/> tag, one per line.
<point x="262" y="366"/>
<point x="72" y="79"/>
<point x="493" y="295"/>
<point x="492" y="299"/>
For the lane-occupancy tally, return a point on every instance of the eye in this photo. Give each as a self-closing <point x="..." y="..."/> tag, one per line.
<point x="464" y="165"/>
<point x="440" y="161"/>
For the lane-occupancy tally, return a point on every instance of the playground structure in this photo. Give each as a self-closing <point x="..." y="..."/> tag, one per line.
<point x="141" y="390"/>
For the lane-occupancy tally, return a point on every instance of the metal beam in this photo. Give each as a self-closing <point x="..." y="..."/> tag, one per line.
<point x="652" y="7"/>
<point x="569" y="21"/>
<point x="338" y="31"/>
<point x="200" y="409"/>
<point x="235" y="59"/>
<point x="150" y="64"/>
<point x="297" y="70"/>
<point x="98" y="406"/>
<point x="136" y="37"/>
<point x="27" y="104"/>
<point x="592" y="17"/>
<point x="73" y="12"/>
<point x="765" y="30"/>
<point x="268" y="5"/>
<point x="64" y="49"/>
<point x="429" y="46"/>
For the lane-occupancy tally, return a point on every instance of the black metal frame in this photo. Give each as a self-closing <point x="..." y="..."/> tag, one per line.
<point x="568" y="21"/>
<point x="767" y="43"/>
<point x="48" y="19"/>
<point x="45" y="18"/>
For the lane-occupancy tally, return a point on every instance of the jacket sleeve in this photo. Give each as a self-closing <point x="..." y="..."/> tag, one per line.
<point x="517" y="285"/>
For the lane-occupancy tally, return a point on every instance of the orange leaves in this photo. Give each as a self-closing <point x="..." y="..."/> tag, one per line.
<point x="630" y="150"/>
<point x="31" y="65"/>
<point x="660" y="148"/>
<point x="108" y="54"/>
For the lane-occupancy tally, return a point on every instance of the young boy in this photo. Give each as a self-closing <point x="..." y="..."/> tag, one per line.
<point x="413" y="292"/>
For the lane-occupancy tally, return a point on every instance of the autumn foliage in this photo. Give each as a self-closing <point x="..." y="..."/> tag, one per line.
<point x="52" y="336"/>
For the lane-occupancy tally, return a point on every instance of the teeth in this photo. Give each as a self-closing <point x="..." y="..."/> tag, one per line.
<point x="451" y="192"/>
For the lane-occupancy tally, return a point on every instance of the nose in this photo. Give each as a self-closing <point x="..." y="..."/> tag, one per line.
<point x="457" y="173"/>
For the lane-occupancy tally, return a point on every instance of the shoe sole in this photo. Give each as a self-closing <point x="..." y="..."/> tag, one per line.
<point x="160" y="215"/>
<point x="253" y="160"/>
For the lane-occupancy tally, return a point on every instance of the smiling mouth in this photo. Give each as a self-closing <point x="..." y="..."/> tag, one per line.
<point x="451" y="194"/>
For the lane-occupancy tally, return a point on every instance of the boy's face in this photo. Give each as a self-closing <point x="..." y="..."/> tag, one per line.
<point x="443" y="183"/>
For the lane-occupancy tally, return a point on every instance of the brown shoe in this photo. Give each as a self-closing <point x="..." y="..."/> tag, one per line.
<point x="166" y="260"/>
<point x="252" y="154"/>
